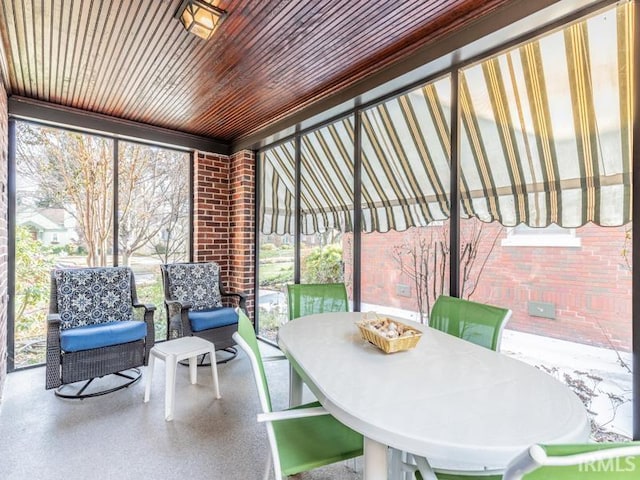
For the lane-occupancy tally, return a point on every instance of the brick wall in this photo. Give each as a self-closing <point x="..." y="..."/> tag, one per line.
<point x="211" y="209"/>
<point x="224" y="216"/>
<point x="3" y="234"/>
<point x="589" y="286"/>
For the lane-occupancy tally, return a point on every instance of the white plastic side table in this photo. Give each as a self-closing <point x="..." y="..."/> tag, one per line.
<point x="172" y="352"/>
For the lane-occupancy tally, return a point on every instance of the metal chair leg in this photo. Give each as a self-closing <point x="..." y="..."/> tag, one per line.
<point x="79" y="395"/>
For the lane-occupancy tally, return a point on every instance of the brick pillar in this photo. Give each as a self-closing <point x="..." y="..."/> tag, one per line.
<point x="3" y="233"/>
<point x="211" y="210"/>
<point x="224" y="198"/>
<point x="242" y="223"/>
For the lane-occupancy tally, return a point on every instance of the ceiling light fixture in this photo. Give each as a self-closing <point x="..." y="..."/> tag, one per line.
<point x="200" y="17"/>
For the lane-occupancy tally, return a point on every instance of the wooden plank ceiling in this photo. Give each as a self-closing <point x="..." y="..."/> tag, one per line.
<point x="131" y="59"/>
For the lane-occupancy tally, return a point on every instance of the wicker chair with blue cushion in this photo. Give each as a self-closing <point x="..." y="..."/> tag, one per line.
<point x="92" y="330"/>
<point x="197" y="304"/>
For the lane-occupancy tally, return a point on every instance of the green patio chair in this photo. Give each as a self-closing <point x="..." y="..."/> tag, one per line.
<point x="475" y="322"/>
<point x="307" y="298"/>
<point x="430" y="475"/>
<point x="418" y="468"/>
<point x="301" y="438"/>
<point x="593" y="461"/>
<point x="597" y="461"/>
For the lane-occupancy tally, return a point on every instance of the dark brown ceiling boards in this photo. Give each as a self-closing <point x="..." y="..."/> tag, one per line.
<point x="133" y="60"/>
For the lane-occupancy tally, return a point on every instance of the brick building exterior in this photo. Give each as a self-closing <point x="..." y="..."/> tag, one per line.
<point x="587" y="288"/>
<point x="242" y="170"/>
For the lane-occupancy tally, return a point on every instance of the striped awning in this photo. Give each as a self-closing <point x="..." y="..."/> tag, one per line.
<point x="544" y="138"/>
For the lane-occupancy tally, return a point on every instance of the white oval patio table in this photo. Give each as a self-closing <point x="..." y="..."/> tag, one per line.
<point x="461" y="406"/>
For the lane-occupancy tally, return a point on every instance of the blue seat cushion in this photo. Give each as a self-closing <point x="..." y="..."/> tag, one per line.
<point x="101" y="335"/>
<point x="212" y="318"/>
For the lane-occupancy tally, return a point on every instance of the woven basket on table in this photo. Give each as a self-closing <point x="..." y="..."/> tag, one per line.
<point x="388" y="345"/>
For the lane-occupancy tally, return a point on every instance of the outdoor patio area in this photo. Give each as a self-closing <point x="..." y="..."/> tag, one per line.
<point x="121" y="437"/>
<point x="584" y="365"/>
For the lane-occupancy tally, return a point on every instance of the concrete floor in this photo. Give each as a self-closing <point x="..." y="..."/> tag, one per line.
<point x="117" y="436"/>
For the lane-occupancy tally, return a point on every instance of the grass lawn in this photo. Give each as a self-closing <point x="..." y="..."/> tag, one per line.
<point x="275" y="271"/>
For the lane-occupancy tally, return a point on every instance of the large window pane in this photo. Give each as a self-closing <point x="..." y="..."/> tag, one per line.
<point x="153" y="217"/>
<point x="326" y="207"/>
<point x="546" y="193"/>
<point x="276" y="243"/>
<point x="64" y="217"/>
<point x="405" y="202"/>
<point x="326" y="201"/>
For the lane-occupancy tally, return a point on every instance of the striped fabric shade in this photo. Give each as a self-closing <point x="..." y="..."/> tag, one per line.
<point x="405" y="160"/>
<point x="326" y="178"/>
<point x="277" y="190"/>
<point x="544" y="139"/>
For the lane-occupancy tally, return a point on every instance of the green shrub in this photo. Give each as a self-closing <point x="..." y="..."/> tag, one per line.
<point x="271" y="320"/>
<point x="323" y="265"/>
<point x="153" y="293"/>
<point x="33" y="264"/>
<point x="58" y="249"/>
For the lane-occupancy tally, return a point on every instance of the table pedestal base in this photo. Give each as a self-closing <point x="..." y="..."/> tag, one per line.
<point x="375" y="460"/>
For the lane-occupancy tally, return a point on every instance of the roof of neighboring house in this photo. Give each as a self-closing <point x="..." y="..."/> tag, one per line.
<point x="44" y="219"/>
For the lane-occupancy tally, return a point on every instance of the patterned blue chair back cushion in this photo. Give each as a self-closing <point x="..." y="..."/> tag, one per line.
<point x="197" y="283"/>
<point x="88" y="296"/>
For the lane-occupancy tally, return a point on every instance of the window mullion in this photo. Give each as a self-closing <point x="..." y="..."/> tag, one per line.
<point x="116" y="155"/>
<point x="454" y="201"/>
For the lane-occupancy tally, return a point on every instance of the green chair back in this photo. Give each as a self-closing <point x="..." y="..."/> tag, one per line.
<point x="247" y="334"/>
<point x="475" y="322"/>
<point x="305" y="299"/>
<point x="597" y="461"/>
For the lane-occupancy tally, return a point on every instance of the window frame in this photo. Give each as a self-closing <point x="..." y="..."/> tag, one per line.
<point x="452" y="66"/>
<point x="565" y="238"/>
<point x="12" y="212"/>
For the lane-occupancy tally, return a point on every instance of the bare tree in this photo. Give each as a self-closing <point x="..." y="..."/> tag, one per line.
<point x="172" y="245"/>
<point x="627" y="248"/>
<point x="74" y="171"/>
<point x="471" y="246"/>
<point x="425" y="260"/>
<point x="153" y="200"/>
